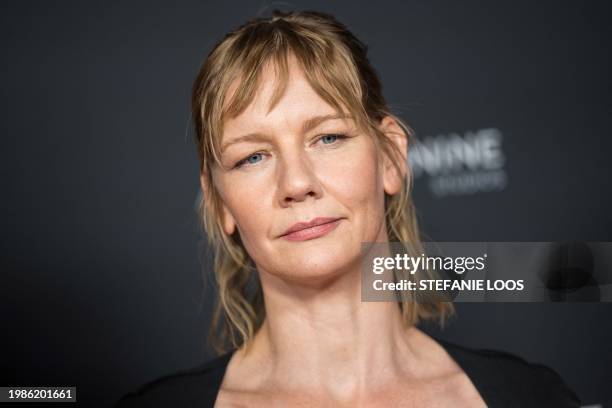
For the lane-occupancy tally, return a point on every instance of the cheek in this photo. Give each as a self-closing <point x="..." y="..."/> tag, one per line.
<point x="354" y="178"/>
<point x="249" y="205"/>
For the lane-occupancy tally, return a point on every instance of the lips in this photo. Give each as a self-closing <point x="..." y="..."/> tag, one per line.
<point x="314" y="229"/>
<point x="312" y="223"/>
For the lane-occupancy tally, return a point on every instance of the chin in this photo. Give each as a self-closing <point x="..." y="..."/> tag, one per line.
<point x="317" y="264"/>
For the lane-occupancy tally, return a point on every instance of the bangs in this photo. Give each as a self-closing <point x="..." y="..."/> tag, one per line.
<point x="328" y="68"/>
<point x="335" y="64"/>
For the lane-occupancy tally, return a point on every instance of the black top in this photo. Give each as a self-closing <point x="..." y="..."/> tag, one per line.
<point x="502" y="379"/>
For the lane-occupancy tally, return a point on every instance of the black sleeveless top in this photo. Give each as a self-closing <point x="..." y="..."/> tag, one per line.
<point x="502" y="379"/>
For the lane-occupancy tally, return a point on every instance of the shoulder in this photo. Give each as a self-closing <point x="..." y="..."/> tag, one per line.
<point x="505" y="379"/>
<point x="197" y="386"/>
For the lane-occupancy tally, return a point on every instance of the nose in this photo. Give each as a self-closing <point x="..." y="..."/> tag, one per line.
<point x="297" y="180"/>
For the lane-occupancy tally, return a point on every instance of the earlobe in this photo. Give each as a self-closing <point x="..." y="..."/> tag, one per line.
<point x="229" y="224"/>
<point x="392" y="180"/>
<point x="227" y="220"/>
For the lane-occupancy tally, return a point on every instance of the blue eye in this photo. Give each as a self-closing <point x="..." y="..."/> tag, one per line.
<point x="252" y="159"/>
<point x="329" y="138"/>
<point x="248" y="159"/>
<point x="333" y="138"/>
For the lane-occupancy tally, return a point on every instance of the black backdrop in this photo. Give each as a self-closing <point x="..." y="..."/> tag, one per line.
<point x="101" y="275"/>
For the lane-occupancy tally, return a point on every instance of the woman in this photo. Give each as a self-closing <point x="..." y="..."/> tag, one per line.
<point x="301" y="162"/>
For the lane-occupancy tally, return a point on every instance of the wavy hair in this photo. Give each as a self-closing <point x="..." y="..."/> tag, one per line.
<point x="336" y="65"/>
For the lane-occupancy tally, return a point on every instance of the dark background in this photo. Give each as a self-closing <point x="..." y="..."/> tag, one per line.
<point x="102" y="283"/>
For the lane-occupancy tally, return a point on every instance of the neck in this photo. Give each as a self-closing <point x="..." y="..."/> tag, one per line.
<point x="326" y="338"/>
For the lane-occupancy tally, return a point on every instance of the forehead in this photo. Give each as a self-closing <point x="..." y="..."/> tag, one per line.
<point x="298" y="102"/>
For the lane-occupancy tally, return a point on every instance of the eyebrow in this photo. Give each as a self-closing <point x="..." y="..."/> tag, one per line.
<point x="307" y="125"/>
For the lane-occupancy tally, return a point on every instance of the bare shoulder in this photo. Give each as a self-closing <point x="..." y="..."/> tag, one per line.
<point x="444" y="382"/>
<point x="244" y="383"/>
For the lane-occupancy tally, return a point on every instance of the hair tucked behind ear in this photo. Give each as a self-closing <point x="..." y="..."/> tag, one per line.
<point x="336" y="66"/>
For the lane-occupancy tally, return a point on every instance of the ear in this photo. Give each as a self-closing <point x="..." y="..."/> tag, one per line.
<point x="392" y="181"/>
<point x="227" y="220"/>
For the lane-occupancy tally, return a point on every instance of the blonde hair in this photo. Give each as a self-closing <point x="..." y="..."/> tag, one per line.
<point x="335" y="64"/>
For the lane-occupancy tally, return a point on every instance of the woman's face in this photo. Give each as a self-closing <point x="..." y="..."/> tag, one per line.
<point x="297" y="163"/>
